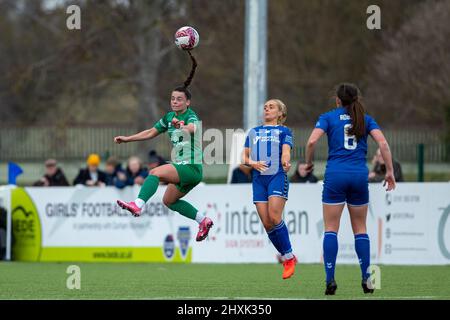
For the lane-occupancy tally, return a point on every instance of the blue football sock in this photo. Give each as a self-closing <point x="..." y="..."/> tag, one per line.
<point x="330" y="250"/>
<point x="272" y="233"/>
<point x="283" y="238"/>
<point x="362" y="247"/>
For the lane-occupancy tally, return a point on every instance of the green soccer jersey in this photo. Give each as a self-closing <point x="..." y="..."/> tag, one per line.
<point x="187" y="147"/>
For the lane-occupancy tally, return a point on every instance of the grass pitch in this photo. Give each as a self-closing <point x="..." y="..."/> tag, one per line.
<point x="214" y="281"/>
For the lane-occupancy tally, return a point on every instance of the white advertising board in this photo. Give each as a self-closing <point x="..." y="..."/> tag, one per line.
<point x="407" y="226"/>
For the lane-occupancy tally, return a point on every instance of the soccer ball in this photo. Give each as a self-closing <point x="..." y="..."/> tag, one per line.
<point x="186" y="38"/>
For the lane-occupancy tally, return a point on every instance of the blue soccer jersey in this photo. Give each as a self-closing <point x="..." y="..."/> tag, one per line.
<point x="266" y="144"/>
<point x="346" y="154"/>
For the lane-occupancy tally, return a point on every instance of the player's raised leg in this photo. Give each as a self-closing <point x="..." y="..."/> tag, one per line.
<point x="263" y="211"/>
<point x="172" y="199"/>
<point x="275" y="210"/>
<point x="358" y="215"/>
<point x="166" y="173"/>
<point x="275" y="229"/>
<point x="331" y="216"/>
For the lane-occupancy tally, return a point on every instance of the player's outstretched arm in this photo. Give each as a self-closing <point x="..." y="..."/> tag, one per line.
<point x="143" y="135"/>
<point x="379" y="138"/>
<point x="316" y="134"/>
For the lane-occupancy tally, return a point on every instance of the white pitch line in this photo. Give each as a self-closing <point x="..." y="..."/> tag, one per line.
<point x="415" y="297"/>
<point x="290" y="298"/>
<point x="222" y="298"/>
<point x="236" y="299"/>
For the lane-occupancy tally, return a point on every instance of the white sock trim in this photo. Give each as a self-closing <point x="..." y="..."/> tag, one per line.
<point x="288" y="256"/>
<point x="199" y="217"/>
<point x="139" y="202"/>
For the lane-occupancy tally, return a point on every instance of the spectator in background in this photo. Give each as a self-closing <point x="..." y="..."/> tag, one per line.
<point x="112" y="168"/>
<point x="379" y="169"/>
<point x="301" y="176"/>
<point x="134" y="174"/>
<point x="154" y="160"/>
<point x="242" y="174"/>
<point x="54" y="176"/>
<point x="91" y="175"/>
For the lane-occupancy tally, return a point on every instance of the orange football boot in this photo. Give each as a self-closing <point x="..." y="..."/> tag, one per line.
<point x="289" y="267"/>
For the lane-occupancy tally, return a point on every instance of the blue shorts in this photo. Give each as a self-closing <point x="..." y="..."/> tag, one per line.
<point x="339" y="188"/>
<point x="265" y="186"/>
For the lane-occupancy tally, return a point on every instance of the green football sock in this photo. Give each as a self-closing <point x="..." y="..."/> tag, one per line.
<point x="148" y="188"/>
<point x="184" y="208"/>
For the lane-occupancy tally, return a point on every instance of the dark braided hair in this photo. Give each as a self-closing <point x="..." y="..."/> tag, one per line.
<point x="349" y="95"/>
<point x="184" y="87"/>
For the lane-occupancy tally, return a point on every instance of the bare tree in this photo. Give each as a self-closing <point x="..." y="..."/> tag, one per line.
<point x="314" y="45"/>
<point x="410" y="80"/>
<point x="120" y="67"/>
<point x="148" y="43"/>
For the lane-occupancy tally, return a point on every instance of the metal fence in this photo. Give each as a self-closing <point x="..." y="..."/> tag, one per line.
<point x="403" y="144"/>
<point x="75" y="143"/>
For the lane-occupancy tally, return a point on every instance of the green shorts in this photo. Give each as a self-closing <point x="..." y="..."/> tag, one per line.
<point x="190" y="175"/>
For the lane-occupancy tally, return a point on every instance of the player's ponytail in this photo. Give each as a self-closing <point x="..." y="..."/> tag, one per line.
<point x="283" y="109"/>
<point x="358" y="125"/>
<point x="192" y="73"/>
<point x="184" y="87"/>
<point x="351" y="100"/>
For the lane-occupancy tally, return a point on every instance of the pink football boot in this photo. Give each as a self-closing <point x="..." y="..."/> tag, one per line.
<point x="203" y="229"/>
<point x="130" y="206"/>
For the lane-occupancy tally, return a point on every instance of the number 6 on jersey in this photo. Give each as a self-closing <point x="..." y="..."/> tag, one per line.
<point x="348" y="138"/>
